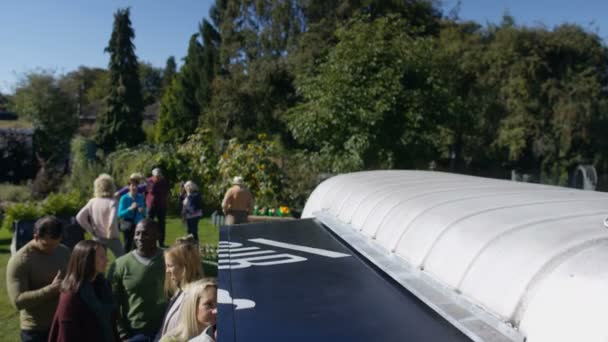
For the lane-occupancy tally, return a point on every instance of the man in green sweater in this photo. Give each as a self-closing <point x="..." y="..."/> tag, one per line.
<point x="137" y="280"/>
<point x="33" y="276"/>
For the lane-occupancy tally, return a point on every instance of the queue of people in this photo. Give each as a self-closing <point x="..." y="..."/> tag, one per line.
<point x="151" y="293"/>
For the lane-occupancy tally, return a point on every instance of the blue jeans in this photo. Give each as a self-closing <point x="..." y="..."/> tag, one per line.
<point x="34" y="336"/>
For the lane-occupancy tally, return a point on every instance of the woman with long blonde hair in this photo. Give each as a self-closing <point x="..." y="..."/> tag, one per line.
<point x="182" y="267"/>
<point x="198" y="316"/>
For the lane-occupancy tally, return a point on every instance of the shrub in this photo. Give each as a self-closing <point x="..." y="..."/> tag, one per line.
<point x="200" y="164"/>
<point x="84" y="167"/>
<point x="14" y="193"/>
<point x="62" y="204"/>
<point x="19" y="212"/>
<point x="258" y="163"/>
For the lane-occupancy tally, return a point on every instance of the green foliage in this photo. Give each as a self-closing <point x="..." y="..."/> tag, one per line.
<point x="258" y="162"/>
<point x="120" y="124"/>
<point x="63" y="204"/>
<point x="14" y="193"/>
<point x="201" y="157"/>
<point x="58" y="204"/>
<point x="379" y="97"/>
<point x="84" y="167"/>
<point x="188" y="95"/>
<point x="19" y="212"/>
<point x="122" y="163"/>
<point x="168" y="73"/>
<point x="151" y="83"/>
<point x="40" y="99"/>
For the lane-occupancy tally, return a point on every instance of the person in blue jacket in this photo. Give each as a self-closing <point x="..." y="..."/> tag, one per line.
<point x="131" y="210"/>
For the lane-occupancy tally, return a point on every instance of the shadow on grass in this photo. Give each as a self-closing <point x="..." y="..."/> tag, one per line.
<point x="6" y="241"/>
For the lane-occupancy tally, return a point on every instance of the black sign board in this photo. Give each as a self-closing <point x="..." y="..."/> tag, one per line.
<point x="296" y="281"/>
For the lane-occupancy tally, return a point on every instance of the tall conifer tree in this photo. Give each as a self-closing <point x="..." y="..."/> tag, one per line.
<point x="120" y="125"/>
<point x="169" y="72"/>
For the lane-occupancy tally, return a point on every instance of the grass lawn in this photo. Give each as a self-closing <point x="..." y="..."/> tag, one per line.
<point x="15" y="124"/>
<point x="9" y="317"/>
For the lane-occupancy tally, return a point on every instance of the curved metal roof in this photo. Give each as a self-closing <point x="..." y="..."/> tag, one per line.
<point x="532" y="256"/>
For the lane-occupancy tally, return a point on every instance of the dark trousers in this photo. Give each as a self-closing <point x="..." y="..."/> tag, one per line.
<point x="159" y="215"/>
<point x="34" y="336"/>
<point x="128" y="238"/>
<point x="192" y="226"/>
<point x="237" y="216"/>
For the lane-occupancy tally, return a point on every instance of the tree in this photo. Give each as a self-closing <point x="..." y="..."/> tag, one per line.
<point x="187" y="97"/>
<point x="551" y="87"/>
<point x="169" y="73"/>
<point x="379" y="101"/>
<point x="179" y="109"/>
<point x="40" y="99"/>
<point x="121" y="122"/>
<point x="151" y="83"/>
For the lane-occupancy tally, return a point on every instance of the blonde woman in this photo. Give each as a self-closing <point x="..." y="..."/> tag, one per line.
<point x="182" y="267"/>
<point x="198" y="315"/>
<point x="99" y="215"/>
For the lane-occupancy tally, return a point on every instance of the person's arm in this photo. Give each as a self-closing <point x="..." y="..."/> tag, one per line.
<point x="142" y="204"/>
<point x="83" y="218"/>
<point x="124" y="207"/>
<point x="18" y="287"/>
<point x="112" y="219"/>
<point x="118" y="194"/>
<point x="122" y="324"/>
<point x="251" y="203"/>
<point x="225" y="201"/>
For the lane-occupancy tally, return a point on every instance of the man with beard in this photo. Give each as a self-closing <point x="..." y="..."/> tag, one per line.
<point x="137" y="280"/>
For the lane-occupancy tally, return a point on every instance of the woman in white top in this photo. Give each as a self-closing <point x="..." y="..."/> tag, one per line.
<point x="198" y="317"/>
<point x="183" y="266"/>
<point x="99" y="215"/>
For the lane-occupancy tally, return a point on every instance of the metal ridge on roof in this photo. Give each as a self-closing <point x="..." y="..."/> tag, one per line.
<point x="498" y="246"/>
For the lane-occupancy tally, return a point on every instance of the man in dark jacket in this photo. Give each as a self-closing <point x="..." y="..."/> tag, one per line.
<point x="156" y="201"/>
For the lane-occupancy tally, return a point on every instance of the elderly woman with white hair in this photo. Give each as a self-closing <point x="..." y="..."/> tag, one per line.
<point x="99" y="215"/>
<point x="192" y="210"/>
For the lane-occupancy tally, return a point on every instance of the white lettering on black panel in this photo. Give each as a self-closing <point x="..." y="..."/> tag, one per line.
<point x="265" y="260"/>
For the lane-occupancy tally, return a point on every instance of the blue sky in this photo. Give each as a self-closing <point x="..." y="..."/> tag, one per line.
<point x="60" y="35"/>
<point x="590" y="14"/>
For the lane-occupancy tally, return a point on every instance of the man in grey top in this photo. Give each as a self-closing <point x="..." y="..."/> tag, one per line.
<point x="33" y="276"/>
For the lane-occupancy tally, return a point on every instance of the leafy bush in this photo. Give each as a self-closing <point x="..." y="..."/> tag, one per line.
<point x="120" y="164"/>
<point x="199" y="158"/>
<point x="19" y="212"/>
<point x="258" y="163"/>
<point x="84" y="168"/>
<point x="14" y="193"/>
<point x="62" y="204"/>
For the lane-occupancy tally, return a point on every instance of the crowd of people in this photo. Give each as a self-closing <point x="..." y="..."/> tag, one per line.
<point x="148" y="294"/>
<point x="151" y="292"/>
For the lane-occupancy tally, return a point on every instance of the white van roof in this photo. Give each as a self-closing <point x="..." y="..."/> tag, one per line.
<point x="533" y="257"/>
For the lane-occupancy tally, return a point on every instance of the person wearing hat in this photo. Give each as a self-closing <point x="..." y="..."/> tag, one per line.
<point x="238" y="202"/>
